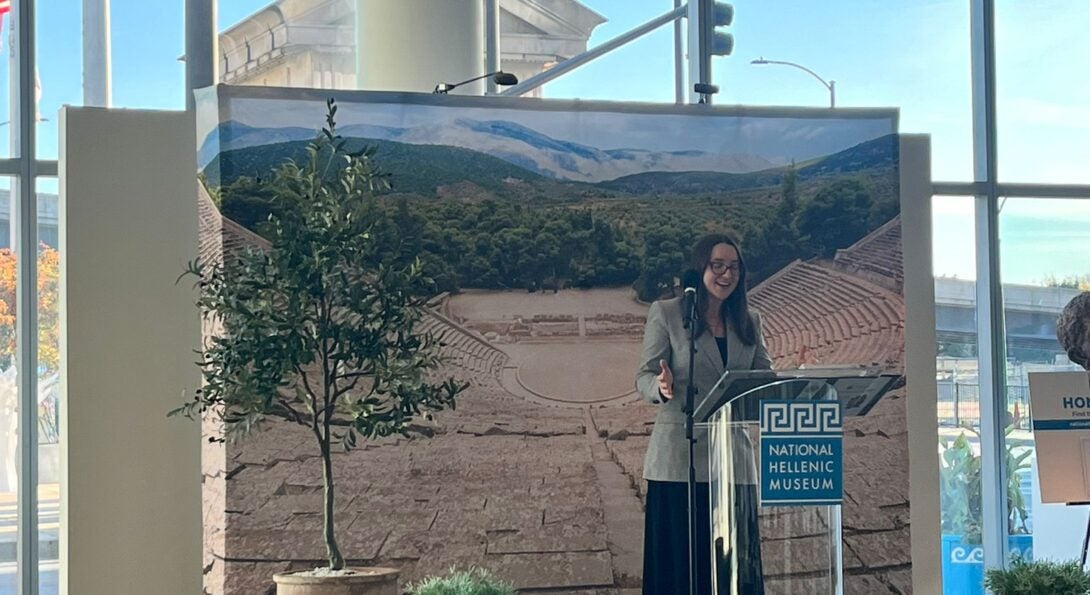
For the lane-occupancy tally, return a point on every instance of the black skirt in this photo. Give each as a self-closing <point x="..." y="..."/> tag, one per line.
<point x="666" y="542"/>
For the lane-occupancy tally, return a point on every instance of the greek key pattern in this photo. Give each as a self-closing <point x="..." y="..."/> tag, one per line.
<point x="974" y="554"/>
<point x="786" y="417"/>
<point x="967" y="555"/>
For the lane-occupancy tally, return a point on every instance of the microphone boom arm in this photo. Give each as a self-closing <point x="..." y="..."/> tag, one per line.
<point x="502" y="78"/>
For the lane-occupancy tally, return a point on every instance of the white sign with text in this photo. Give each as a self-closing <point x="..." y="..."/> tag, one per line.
<point x="1060" y="407"/>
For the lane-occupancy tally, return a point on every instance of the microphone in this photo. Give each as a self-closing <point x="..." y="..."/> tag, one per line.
<point x="690" y="278"/>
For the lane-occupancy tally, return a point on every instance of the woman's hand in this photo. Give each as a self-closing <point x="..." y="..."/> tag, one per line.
<point x="666" y="381"/>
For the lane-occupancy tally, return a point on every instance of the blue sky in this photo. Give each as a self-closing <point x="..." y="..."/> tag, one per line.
<point x="912" y="55"/>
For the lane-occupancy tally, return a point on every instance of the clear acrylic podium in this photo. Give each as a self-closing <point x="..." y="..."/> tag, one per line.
<point x="781" y="549"/>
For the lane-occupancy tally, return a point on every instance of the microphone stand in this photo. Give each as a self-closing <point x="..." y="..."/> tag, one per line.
<point x="690" y="403"/>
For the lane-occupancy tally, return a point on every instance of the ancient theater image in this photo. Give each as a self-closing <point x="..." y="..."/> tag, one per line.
<point x="550" y="233"/>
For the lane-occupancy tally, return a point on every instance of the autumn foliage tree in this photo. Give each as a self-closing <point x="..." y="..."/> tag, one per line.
<point x="48" y="309"/>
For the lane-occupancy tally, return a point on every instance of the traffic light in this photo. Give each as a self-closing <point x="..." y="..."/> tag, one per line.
<point x="722" y="15"/>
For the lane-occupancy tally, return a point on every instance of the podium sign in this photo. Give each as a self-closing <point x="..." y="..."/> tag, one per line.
<point x="802" y="453"/>
<point x="1060" y="407"/>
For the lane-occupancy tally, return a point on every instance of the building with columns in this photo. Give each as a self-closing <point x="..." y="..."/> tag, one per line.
<point x="303" y="43"/>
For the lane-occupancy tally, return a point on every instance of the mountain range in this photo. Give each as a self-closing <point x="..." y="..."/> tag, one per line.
<point x="875" y="154"/>
<point x="426" y="170"/>
<point x="508" y="141"/>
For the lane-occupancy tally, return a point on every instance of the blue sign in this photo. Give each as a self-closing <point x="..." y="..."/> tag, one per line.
<point x="802" y="453"/>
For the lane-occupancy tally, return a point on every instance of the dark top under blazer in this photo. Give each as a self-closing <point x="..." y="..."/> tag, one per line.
<point x="666" y="338"/>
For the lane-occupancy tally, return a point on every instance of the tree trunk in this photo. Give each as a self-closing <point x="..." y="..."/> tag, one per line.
<point x="336" y="561"/>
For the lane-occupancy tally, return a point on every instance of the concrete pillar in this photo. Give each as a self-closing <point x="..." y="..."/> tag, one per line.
<point x="201" y="47"/>
<point x="411" y="45"/>
<point x="97" y="86"/>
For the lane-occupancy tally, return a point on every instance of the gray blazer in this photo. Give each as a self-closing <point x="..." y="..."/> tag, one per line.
<point x="665" y="337"/>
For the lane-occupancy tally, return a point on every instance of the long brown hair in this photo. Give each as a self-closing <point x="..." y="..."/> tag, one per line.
<point x="735" y="309"/>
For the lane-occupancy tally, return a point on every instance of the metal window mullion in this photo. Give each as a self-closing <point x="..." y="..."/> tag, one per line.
<point x="699" y="52"/>
<point x="13" y="167"/>
<point x="493" y="57"/>
<point x="45" y="168"/>
<point x="10" y="167"/>
<point x="1021" y="190"/>
<point x="992" y="374"/>
<point x="679" y="59"/>
<point x="990" y="326"/>
<point x="1044" y="190"/>
<point x="958" y="188"/>
<point x="26" y="351"/>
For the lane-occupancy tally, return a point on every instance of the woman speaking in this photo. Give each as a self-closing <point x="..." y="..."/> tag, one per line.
<point x="728" y="338"/>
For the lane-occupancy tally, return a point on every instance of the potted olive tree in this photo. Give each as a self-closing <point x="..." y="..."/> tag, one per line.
<point x="321" y="329"/>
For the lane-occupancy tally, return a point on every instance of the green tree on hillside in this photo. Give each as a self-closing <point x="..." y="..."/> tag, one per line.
<point x="663" y="258"/>
<point x="248" y="202"/>
<point x="837" y="216"/>
<point x="778" y="242"/>
<point x="608" y="259"/>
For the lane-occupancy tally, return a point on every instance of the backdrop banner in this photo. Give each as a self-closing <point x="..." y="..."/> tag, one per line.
<point x="549" y="227"/>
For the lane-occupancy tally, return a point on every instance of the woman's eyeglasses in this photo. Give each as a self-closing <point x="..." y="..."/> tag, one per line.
<point x="719" y="268"/>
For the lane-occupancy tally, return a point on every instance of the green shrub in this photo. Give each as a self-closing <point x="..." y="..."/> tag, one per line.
<point x="475" y="581"/>
<point x="959" y="476"/>
<point x="1042" y="577"/>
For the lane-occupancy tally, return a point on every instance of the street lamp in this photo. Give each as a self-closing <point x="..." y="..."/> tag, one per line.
<point x="830" y="85"/>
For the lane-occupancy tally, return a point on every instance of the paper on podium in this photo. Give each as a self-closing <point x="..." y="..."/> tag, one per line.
<point x="857" y="388"/>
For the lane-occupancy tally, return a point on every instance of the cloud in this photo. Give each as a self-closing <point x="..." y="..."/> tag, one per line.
<point x="781" y="136"/>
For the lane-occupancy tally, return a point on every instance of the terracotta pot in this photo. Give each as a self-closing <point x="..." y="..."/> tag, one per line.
<point x="366" y="581"/>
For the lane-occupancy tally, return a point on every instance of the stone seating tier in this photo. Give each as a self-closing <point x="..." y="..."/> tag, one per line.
<point x="877" y="257"/>
<point x="814" y="314"/>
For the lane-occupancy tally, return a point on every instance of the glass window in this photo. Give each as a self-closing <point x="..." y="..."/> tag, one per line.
<point x="6" y="92"/>
<point x="1043" y="91"/>
<point x="911" y="55"/>
<point x="643" y="70"/>
<point x="58" y="35"/>
<point x="262" y="45"/>
<point x="147" y="41"/>
<point x="9" y="391"/>
<point x="48" y="389"/>
<point x="1043" y="243"/>
<point x="958" y="394"/>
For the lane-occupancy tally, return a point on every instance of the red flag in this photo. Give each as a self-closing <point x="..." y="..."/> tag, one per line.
<point x="5" y="8"/>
